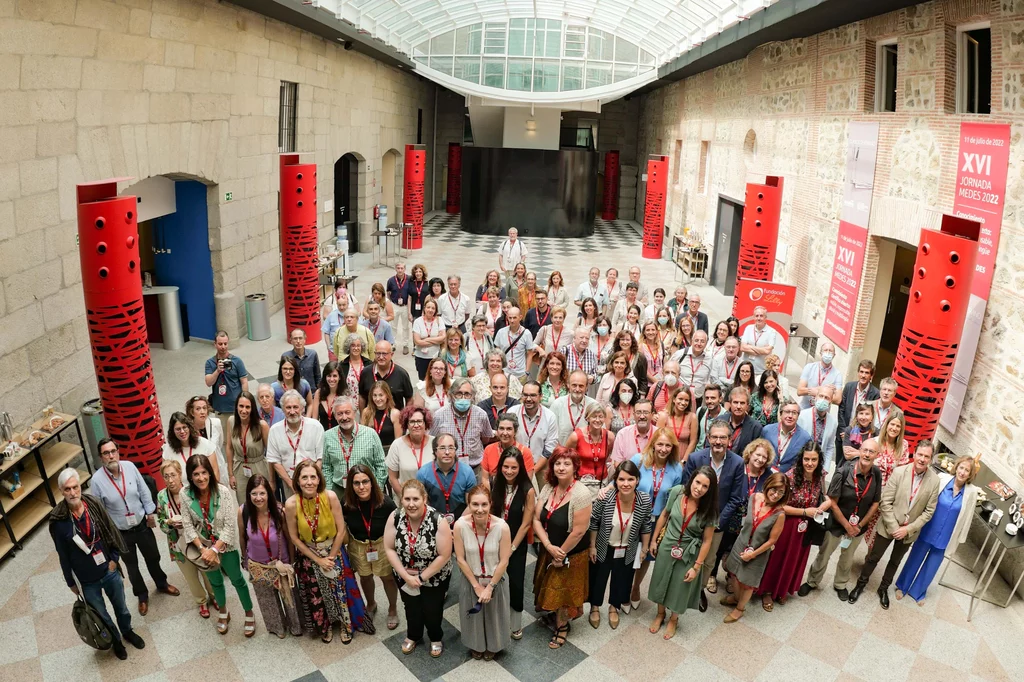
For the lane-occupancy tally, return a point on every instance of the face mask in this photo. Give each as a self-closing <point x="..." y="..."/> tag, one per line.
<point x="821" y="405"/>
<point x="662" y="321"/>
<point x="827" y="358"/>
<point x="462" y="404"/>
<point x="625" y="396"/>
<point x="602" y="330"/>
<point x="671" y="380"/>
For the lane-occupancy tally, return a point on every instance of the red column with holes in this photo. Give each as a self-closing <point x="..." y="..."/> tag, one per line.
<point x="759" y="235"/>
<point x="415" y="186"/>
<point x="299" y="250"/>
<point x="939" y="295"/>
<point x="108" y="245"/>
<point x="454" y="193"/>
<point x="654" y="206"/>
<point x="610" y="195"/>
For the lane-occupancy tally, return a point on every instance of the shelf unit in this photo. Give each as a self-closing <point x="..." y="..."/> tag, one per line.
<point x="691" y="261"/>
<point x="38" y="468"/>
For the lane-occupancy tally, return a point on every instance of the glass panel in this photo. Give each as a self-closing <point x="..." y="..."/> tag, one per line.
<point x="598" y="75"/>
<point x="517" y="23"/>
<point x="494" y="38"/>
<point x="625" y="51"/>
<point x="622" y="72"/>
<point x="600" y="45"/>
<point x="552" y="44"/>
<point x="442" y="64"/>
<point x="520" y="74"/>
<point x="575" y="42"/>
<point x="443" y="44"/>
<point x="494" y="73"/>
<point x="545" y="76"/>
<point x="572" y="77"/>
<point x="520" y="42"/>
<point x="646" y="57"/>
<point x="421" y="59"/>
<point x="468" y="39"/>
<point x="467" y="69"/>
<point x="422" y="49"/>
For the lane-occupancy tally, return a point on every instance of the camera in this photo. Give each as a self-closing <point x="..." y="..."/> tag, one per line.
<point x="225" y="364"/>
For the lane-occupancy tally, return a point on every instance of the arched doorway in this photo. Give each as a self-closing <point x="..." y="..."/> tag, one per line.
<point x="346" y="197"/>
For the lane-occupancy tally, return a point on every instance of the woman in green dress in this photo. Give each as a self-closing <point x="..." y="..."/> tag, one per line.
<point x="685" y="529"/>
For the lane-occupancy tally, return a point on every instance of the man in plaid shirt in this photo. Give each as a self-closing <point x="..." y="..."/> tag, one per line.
<point x="579" y="356"/>
<point x="350" y="443"/>
<point x="464" y="420"/>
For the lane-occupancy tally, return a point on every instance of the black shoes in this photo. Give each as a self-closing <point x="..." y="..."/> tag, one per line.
<point x="883" y="597"/>
<point x="844" y="594"/>
<point x="805" y="590"/>
<point x="134" y="640"/>
<point x="855" y="594"/>
<point x="703" y="606"/>
<point x="119" y="650"/>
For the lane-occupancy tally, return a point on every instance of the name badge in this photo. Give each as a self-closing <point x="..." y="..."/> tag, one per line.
<point x="854" y="519"/>
<point x="98" y="557"/>
<point x="450" y="518"/>
<point x="677" y="553"/>
<point x="419" y="307"/>
<point x="129" y="518"/>
<point x="400" y="301"/>
<point x="247" y="471"/>
<point x="372" y="555"/>
<point x="222" y="389"/>
<point x="620" y="553"/>
<point x="802" y="526"/>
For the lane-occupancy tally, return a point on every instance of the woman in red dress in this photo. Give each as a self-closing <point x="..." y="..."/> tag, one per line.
<point x="594" y="446"/>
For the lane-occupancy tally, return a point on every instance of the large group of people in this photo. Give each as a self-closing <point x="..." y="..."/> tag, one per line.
<point x="610" y="430"/>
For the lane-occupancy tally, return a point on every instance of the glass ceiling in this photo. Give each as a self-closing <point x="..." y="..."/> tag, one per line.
<point x="542" y="47"/>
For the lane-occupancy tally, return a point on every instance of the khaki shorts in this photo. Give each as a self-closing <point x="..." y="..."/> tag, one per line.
<point x="363" y="568"/>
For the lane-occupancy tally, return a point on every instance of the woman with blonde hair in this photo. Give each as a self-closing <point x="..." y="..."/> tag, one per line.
<point x="558" y="297"/>
<point x="680" y="416"/>
<point x="454" y="355"/>
<point x="892" y="452"/>
<point x="433" y="390"/>
<point x="553" y="378"/>
<point x="380" y="413"/>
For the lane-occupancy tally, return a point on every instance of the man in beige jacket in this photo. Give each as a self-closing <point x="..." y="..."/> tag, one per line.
<point x="908" y="502"/>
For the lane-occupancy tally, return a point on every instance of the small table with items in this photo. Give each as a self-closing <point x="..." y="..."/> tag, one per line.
<point x="997" y="544"/>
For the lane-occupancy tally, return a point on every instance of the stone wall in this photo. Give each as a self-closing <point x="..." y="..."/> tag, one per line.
<point x="186" y="88"/>
<point x="784" y="110"/>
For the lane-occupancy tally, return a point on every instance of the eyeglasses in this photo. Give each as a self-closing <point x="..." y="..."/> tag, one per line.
<point x="360" y="484"/>
<point x="463" y="394"/>
<point x="107" y="453"/>
<point x="413" y="422"/>
<point x="446" y="448"/>
<point x="383" y="353"/>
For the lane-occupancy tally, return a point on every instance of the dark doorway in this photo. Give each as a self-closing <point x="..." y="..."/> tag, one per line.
<point x="346" y="198"/>
<point x="727" y="244"/>
<point x="896" y="309"/>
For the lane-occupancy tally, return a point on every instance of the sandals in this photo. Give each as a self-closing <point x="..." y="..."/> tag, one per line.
<point x="712" y="584"/>
<point x="346" y="636"/>
<point x="408" y="646"/>
<point x="595" y="618"/>
<point x="517" y="634"/>
<point x="732" y="619"/>
<point x="767" y="604"/>
<point x="488" y="655"/>
<point x="670" y="629"/>
<point x="559" y="638"/>
<point x="613" y="618"/>
<point x="250" y="626"/>
<point x="222" y="622"/>
<point x="327" y="637"/>
<point x="656" y="623"/>
<point x="436" y="649"/>
<point x="728" y="600"/>
<point x="392" y="621"/>
<point x="204" y="611"/>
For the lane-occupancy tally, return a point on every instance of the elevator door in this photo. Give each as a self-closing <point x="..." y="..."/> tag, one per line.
<point x="896" y="310"/>
<point x="727" y="245"/>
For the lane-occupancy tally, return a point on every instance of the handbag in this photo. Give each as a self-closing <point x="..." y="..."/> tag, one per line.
<point x="815" y="533"/>
<point x="90" y="626"/>
<point x="193" y="554"/>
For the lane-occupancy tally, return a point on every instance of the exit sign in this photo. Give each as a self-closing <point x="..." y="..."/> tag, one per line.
<point x="228" y="196"/>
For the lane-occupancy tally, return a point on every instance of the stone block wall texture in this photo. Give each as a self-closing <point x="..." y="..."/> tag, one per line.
<point x="93" y="89"/>
<point x="784" y="110"/>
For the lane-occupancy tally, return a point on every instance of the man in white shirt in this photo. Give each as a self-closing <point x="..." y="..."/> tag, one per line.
<point x="759" y="341"/>
<point x="819" y="374"/>
<point x="594" y="289"/>
<point x="634" y="276"/>
<point x="515" y="341"/>
<point x="569" y="409"/>
<point x="724" y="367"/>
<point x="538" y="429"/>
<point x="455" y="308"/>
<point x="882" y="407"/>
<point x="694" y="364"/>
<point x="294" y="439"/>
<point x="511" y="253"/>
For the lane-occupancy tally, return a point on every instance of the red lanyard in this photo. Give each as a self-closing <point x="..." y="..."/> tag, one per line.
<point x="856" y="488"/>
<point x="386" y="376"/>
<point x="298" y="441"/>
<point x="401" y="283"/>
<point x="315" y="523"/>
<point x="555" y="341"/>
<point x="419" y="457"/>
<point x="452" y="366"/>
<point x="123" y="492"/>
<point x="462" y="432"/>
<point x="494" y="411"/>
<point x="419" y="288"/>
<point x="378" y="426"/>
<point x="686" y="519"/>
<point x="693" y="370"/>
<point x="568" y="407"/>
<point x="510" y="496"/>
<point x="242" y="438"/>
<point x="735" y="435"/>
<point x="784" y="444"/>
<point x="480" y="546"/>
<point x="728" y="372"/>
<point x="656" y="482"/>
<point x="526" y="425"/>
<point x="679" y="431"/>
<point x="627" y="418"/>
<point x="766" y="408"/>
<point x="347" y="452"/>
<point x="412" y="538"/>
<point x="636" y="440"/>
<point x="622" y="523"/>
<point x="541" y="321"/>
<point x="367" y="522"/>
<point x="599" y="345"/>
<point x="430" y="329"/>
<point x="751" y="487"/>
<point x="759" y="519"/>
<point x="825" y="376"/>
<point x="599" y="454"/>
<point x="447" y="493"/>
<point x="553" y="509"/>
<point x="374" y="326"/>
<point x="266" y="538"/>
<point x="87" y="529"/>
<point x="914" y="488"/>
<point x="455" y="309"/>
<point x="479" y="349"/>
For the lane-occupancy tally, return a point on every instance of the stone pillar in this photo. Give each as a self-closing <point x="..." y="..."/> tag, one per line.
<point x="412" y="203"/>
<point x="759" y="236"/>
<point x="108" y="236"/>
<point x="610" y="191"/>
<point x="654" y="206"/>
<point x="454" y="194"/>
<point x="299" y="250"/>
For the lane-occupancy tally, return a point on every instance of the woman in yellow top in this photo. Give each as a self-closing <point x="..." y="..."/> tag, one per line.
<point x="327" y="586"/>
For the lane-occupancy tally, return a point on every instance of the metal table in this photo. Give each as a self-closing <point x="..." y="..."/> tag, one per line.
<point x="393" y="233"/>
<point x="994" y="549"/>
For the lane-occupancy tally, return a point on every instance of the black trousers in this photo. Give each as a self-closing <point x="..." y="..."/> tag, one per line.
<point x="421" y="366"/>
<point x="142" y="538"/>
<point x="621" y="575"/>
<point x="517" y="577"/>
<point x="899" y="549"/>
<point x="728" y="540"/>
<point x="426" y="610"/>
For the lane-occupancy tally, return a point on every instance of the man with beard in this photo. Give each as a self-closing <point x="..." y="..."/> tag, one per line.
<point x="446" y="479"/>
<point x="632" y="440"/>
<point x="385" y="369"/>
<point x="294" y="439"/>
<point x="786" y="436"/>
<point x="569" y="409"/>
<point x="350" y="443"/>
<point x="538" y="428"/>
<point x="466" y="422"/>
<point x="694" y="365"/>
<point x="744" y="427"/>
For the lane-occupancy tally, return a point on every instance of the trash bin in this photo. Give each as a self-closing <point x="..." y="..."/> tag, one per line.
<point x="257" y="317"/>
<point x="95" y="428"/>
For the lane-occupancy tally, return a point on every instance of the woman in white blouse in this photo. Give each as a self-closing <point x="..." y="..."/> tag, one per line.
<point x="410" y="452"/>
<point x="183" y="441"/>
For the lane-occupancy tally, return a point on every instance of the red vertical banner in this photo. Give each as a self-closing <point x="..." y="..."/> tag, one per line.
<point x="299" y="248"/>
<point x="412" y="201"/>
<point x="610" y="194"/>
<point x="654" y="206"/>
<point x="759" y="236"/>
<point x="939" y="296"/>
<point x="108" y="245"/>
<point x="980" y="195"/>
<point x="453" y="199"/>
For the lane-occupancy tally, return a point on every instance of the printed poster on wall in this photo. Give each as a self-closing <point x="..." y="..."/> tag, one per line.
<point x="778" y="300"/>
<point x="851" y="242"/>
<point x="980" y="193"/>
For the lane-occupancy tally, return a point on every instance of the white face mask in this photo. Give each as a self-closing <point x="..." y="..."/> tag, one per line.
<point x="626" y="396"/>
<point x="663" y="321"/>
<point x="671" y="380"/>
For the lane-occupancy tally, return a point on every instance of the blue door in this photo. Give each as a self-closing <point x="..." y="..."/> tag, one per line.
<point x="185" y="235"/>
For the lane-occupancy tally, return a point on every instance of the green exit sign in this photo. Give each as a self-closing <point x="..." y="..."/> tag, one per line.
<point x="228" y="196"/>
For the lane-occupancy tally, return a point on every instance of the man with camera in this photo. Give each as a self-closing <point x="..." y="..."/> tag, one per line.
<point x="227" y="377"/>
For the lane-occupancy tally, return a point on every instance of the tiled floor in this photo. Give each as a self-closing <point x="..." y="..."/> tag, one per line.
<point x="817" y="639"/>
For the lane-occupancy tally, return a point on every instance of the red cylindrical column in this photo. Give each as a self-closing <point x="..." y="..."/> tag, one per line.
<point x="610" y="198"/>
<point x="454" y="194"/>
<point x="759" y="236"/>
<point x="299" y="255"/>
<point x="108" y="245"/>
<point x="939" y="296"/>
<point x="412" y="204"/>
<point x="654" y="206"/>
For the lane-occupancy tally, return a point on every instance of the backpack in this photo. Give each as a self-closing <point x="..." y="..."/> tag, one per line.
<point x="90" y="626"/>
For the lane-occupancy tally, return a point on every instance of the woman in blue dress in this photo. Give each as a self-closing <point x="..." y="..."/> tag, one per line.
<point x="946" y="530"/>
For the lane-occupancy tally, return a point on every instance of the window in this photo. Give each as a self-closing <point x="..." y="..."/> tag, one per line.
<point x="572" y="76"/>
<point x="678" y="162"/>
<point x="287" y="115"/>
<point x="545" y="76"/>
<point x="575" y="42"/>
<point x="885" y="76"/>
<point x="520" y="74"/>
<point x="974" y="69"/>
<point x="494" y="38"/>
<point x="704" y="167"/>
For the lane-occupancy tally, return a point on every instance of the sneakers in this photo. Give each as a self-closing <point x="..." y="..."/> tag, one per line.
<point x="134" y="640"/>
<point x="119" y="650"/>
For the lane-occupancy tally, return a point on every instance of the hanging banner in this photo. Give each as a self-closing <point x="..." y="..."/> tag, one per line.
<point x="851" y="242"/>
<point x="980" y="193"/>
<point x="777" y="299"/>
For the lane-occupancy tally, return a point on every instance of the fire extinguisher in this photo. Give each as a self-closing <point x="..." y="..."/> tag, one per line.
<point x="376" y="211"/>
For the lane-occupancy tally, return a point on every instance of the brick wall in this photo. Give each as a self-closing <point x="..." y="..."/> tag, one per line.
<point x="784" y="110"/>
<point x="190" y="88"/>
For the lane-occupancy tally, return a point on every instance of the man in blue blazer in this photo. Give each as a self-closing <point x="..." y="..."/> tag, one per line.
<point x="729" y="468"/>
<point x="788" y="434"/>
